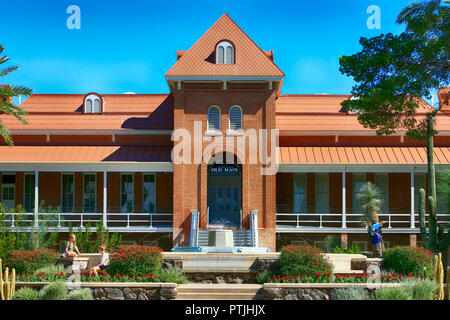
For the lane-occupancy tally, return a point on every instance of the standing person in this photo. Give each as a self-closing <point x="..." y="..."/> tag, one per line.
<point x="377" y="239"/>
<point x="71" y="247"/>
<point x="104" y="261"/>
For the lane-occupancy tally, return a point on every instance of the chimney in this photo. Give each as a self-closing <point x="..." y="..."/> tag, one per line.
<point x="6" y="86"/>
<point x="444" y="99"/>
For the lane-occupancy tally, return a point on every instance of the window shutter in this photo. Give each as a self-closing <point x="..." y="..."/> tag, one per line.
<point x="96" y="106"/>
<point x="235" y="119"/>
<point x="214" y="119"/>
<point x="229" y="56"/>
<point x="88" y="106"/>
<point x="220" y="54"/>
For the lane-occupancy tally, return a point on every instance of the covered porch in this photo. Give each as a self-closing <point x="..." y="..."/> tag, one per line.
<point x="317" y="186"/>
<point x="126" y="189"/>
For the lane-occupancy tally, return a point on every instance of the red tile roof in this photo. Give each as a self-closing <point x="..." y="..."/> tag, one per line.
<point x="85" y="154"/>
<point x="309" y="113"/>
<point x="360" y="155"/>
<point x="199" y="59"/>
<point x="121" y="112"/>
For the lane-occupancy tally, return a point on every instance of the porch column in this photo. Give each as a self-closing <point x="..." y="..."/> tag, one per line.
<point x="344" y="194"/>
<point x="105" y="202"/>
<point x="412" y="199"/>
<point x="36" y="198"/>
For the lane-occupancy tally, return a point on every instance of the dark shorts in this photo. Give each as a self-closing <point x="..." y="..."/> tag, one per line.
<point x="102" y="267"/>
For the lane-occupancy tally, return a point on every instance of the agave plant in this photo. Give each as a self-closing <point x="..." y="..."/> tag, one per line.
<point x="370" y="202"/>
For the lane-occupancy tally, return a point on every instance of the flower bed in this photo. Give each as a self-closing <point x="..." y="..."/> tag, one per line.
<point x="135" y="260"/>
<point x="86" y="277"/>
<point x="396" y="278"/>
<point x="406" y="259"/>
<point x="28" y="260"/>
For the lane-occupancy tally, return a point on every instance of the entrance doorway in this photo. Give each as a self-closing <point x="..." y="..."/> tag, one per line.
<point x="225" y="192"/>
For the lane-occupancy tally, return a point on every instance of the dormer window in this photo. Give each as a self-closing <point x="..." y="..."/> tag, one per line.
<point x="92" y="104"/>
<point x="225" y="53"/>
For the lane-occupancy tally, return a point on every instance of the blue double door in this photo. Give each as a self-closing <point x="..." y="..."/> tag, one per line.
<point x="224" y="200"/>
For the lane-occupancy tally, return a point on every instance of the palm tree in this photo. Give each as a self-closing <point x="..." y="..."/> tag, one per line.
<point x="369" y="199"/>
<point x="7" y="92"/>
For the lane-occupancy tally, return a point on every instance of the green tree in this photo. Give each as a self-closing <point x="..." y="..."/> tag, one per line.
<point x="6" y="94"/>
<point x="394" y="72"/>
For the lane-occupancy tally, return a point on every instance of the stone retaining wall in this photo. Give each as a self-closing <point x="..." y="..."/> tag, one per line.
<point x="119" y="291"/>
<point x="311" y="291"/>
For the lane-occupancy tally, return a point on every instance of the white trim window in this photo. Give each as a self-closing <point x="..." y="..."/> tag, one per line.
<point x="89" y="192"/>
<point x="149" y="193"/>
<point x="67" y="193"/>
<point x="235" y="119"/>
<point x="322" y="202"/>
<point x="8" y="197"/>
<point x="126" y="193"/>
<point x="419" y="183"/>
<point x="214" y="117"/>
<point x="382" y="182"/>
<point x="225" y="53"/>
<point x="28" y="192"/>
<point x="359" y="179"/>
<point x="442" y="193"/>
<point x="300" y="204"/>
<point x="92" y="104"/>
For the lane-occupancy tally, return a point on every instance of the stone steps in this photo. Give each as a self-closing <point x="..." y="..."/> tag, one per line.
<point x="241" y="238"/>
<point x="219" y="292"/>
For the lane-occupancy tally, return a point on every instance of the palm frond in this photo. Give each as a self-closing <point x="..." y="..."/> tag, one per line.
<point x="370" y="201"/>
<point x="416" y="9"/>
<point x="8" y="70"/>
<point x="5" y="134"/>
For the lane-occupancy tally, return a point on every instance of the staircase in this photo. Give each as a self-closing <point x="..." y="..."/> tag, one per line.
<point x="199" y="291"/>
<point x="241" y="238"/>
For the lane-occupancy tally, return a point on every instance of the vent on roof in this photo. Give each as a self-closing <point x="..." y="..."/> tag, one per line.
<point x="225" y="53"/>
<point x="92" y="103"/>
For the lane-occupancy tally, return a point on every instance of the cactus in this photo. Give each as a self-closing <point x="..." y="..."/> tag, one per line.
<point x="7" y="287"/>
<point x="448" y="282"/>
<point x="424" y="274"/>
<point x="438" y="276"/>
<point x="435" y="239"/>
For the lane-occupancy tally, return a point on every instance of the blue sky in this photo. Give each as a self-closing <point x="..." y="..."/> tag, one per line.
<point x="129" y="45"/>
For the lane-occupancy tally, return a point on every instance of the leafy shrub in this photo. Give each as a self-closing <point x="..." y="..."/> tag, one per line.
<point x="349" y="294"/>
<point x="83" y="294"/>
<point x="135" y="260"/>
<point x="88" y="241"/>
<point x="331" y="242"/>
<point x="420" y="289"/>
<point x="354" y="249"/>
<point x="30" y="260"/>
<point x="304" y="260"/>
<point x="391" y="293"/>
<point x="173" y="274"/>
<point x="52" y="269"/>
<point x="406" y="259"/>
<point x="26" y="294"/>
<point x="54" y="291"/>
<point x="264" y="276"/>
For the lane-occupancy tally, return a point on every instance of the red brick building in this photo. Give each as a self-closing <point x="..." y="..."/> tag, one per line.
<point x="107" y="157"/>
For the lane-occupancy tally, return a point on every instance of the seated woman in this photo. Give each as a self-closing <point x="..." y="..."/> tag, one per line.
<point x="71" y="247"/>
<point x="104" y="261"/>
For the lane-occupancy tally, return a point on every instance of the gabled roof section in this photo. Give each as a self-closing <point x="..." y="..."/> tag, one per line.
<point x="199" y="60"/>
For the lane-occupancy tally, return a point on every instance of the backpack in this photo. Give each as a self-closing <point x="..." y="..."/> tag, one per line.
<point x="371" y="233"/>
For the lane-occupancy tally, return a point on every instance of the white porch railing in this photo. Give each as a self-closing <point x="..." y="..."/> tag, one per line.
<point x="62" y="221"/>
<point x="353" y="221"/>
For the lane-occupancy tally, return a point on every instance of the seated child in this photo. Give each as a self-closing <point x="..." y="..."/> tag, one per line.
<point x="104" y="261"/>
<point x="71" y="247"/>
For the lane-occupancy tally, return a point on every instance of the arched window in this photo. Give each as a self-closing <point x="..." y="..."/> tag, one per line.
<point x="225" y="53"/>
<point x="92" y="104"/>
<point x="235" y="118"/>
<point x="214" y="118"/>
